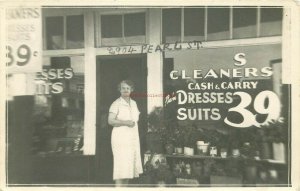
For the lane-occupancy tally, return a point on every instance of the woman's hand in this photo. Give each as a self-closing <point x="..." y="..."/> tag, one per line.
<point x="117" y="123"/>
<point x="129" y="123"/>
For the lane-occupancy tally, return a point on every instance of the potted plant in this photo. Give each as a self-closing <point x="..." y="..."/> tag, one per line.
<point x="190" y="138"/>
<point x="264" y="144"/>
<point x="204" y="140"/>
<point x="156" y="127"/>
<point x="161" y="131"/>
<point x="249" y="144"/>
<point x="178" y="139"/>
<point x="226" y="173"/>
<point x="221" y="141"/>
<point x="250" y="170"/>
<point x="248" y="152"/>
<point x="216" y="137"/>
<point x="169" y="135"/>
<point x="168" y="142"/>
<point x="197" y="168"/>
<point x="163" y="174"/>
<point x="149" y="172"/>
<point x="234" y="143"/>
<point x="277" y="134"/>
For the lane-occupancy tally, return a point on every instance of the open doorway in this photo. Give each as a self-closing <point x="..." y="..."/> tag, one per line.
<point x="111" y="70"/>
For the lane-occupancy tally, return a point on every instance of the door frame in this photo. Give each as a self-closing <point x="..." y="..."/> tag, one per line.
<point x="99" y="176"/>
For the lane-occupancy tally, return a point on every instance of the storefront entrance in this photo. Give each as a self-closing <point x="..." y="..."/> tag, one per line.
<point x="110" y="71"/>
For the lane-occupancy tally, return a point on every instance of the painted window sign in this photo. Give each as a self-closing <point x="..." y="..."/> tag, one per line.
<point x="24" y="40"/>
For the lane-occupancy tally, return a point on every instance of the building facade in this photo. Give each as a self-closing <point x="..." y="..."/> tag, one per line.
<point x="88" y="51"/>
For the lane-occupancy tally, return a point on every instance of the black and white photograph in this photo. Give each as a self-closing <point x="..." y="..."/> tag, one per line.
<point x="189" y="95"/>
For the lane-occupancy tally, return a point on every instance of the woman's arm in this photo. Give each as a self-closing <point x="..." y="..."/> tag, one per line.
<point x="117" y="123"/>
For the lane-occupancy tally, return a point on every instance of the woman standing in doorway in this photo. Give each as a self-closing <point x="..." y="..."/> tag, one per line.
<point x="123" y="116"/>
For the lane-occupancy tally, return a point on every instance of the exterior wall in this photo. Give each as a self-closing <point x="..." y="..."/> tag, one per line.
<point x="154" y="60"/>
<point x="90" y="86"/>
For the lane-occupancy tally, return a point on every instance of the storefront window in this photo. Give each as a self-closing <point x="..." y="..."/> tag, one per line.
<point x="171" y="25"/>
<point x="75" y="31"/>
<point x="218" y="23"/>
<point x="123" y="29"/>
<point x="271" y="21"/>
<point x="111" y="26"/>
<point x="185" y="63"/>
<point x="194" y="24"/>
<point x="188" y="24"/>
<point x="55" y="33"/>
<point x="195" y="118"/>
<point x="244" y="22"/>
<point x="59" y="107"/>
<point x="134" y="24"/>
<point x="59" y="36"/>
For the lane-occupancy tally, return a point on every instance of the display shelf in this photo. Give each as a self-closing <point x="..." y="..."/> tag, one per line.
<point x="62" y="138"/>
<point x="55" y="154"/>
<point x="272" y="161"/>
<point x="182" y="156"/>
<point x="241" y="164"/>
<point x="193" y="157"/>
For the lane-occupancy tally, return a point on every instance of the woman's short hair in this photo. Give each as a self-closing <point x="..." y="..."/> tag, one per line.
<point x="128" y="82"/>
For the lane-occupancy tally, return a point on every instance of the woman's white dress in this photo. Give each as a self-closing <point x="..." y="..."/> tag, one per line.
<point x="125" y="141"/>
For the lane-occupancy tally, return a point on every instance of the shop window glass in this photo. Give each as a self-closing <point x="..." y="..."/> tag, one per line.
<point x="244" y="22"/>
<point x="134" y="24"/>
<point x="75" y="31"/>
<point x="59" y="107"/>
<point x="271" y="21"/>
<point x="111" y="26"/>
<point x="171" y="25"/>
<point x="218" y="23"/>
<point x="55" y="33"/>
<point x="194" y="24"/>
<point x="57" y="38"/>
<point x="113" y="33"/>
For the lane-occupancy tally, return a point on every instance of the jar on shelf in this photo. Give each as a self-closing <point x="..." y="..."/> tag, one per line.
<point x="236" y="152"/>
<point x="213" y="151"/>
<point x="188" y="169"/>
<point x="223" y="153"/>
<point x="278" y="151"/>
<point x="202" y="148"/>
<point x="178" y="150"/>
<point x="273" y="175"/>
<point x="188" y="151"/>
<point x="169" y="148"/>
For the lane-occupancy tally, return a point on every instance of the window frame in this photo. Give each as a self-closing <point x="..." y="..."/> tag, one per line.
<point x="63" y="13"/>
<point x="231" y="28"/>
<point x="122" y="40"/>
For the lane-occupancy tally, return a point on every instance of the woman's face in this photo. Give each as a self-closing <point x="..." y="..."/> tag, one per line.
<point x="125" y="90"/>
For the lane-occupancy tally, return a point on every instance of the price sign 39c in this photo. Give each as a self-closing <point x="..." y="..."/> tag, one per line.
<point x="23" y="40"/>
